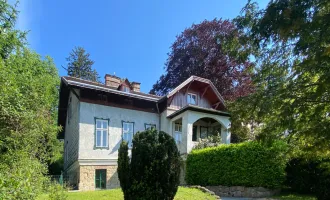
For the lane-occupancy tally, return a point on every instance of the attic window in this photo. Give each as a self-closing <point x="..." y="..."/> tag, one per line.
<point x="126" y="89"/>
<point x="191" y="99"/>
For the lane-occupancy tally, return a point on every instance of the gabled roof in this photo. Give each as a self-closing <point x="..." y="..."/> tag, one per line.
<point x="72" y="81"/>
<point x="126" y="82"/>
<point x="198" y="79"/>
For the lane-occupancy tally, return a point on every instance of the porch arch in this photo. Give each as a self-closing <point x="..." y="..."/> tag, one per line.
<point x="195" y="116"/>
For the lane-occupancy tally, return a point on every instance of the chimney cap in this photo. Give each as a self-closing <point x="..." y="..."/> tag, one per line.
<point x="134" y="82"/>
<point x="114" y="76"/>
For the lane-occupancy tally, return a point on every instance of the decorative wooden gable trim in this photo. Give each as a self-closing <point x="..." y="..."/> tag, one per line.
<point x="187" y="83"/>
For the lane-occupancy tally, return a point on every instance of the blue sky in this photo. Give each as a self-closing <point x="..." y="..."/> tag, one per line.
<point x="129" y="38"/>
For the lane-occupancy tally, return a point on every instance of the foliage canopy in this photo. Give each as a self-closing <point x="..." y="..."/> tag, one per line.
<point x="210" y="50"/>
<point x="28" y="112"/>
<point x="80" y="65"/>
<point x="290" y="43"/>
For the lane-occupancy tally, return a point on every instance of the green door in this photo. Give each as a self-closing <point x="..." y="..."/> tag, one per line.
<point x="100" y="178"/>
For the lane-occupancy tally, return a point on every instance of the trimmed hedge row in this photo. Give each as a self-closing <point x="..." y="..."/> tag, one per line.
<point x="246" y="164"/>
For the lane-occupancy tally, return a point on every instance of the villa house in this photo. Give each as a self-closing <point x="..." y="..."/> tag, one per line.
<point x="97" y="117"/>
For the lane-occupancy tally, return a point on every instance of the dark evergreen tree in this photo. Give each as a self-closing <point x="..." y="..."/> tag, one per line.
<point x="154" y="169"/>
<point x="80" y="65"/>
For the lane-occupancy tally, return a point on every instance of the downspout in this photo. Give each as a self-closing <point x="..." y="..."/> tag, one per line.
<point x="159" y="121"/>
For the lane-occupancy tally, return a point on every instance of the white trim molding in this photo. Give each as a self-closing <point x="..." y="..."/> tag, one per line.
<point x="97" y="162"/>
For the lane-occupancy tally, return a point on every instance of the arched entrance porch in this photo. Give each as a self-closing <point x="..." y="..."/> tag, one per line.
<point x="190" y="126"/>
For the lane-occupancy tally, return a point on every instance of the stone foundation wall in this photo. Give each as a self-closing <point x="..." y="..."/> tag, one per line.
<point x="240" y="191"/>
<point x="87" y="177"/>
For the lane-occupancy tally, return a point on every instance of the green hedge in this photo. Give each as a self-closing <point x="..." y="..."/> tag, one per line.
<point x="309" y="175"/>
<point x="245" y="164"/>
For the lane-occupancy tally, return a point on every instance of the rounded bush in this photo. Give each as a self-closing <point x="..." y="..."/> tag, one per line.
<point x="154" y="168"/>
<point x="245" y="164"/>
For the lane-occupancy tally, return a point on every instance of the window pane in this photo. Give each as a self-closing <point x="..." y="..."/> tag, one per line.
<point x="98" y="138"/>
<point x="105" y="124"/>
<point x="124" y="127"/>
<point x="128" y="132"/>
<point x="98" y="124"/>
<point x="130" y="127"/>
<point x="176" y="127"/>
<point x="203" y="132"/>
<point x="193" y="99"/>
<point x="105" y="139"/>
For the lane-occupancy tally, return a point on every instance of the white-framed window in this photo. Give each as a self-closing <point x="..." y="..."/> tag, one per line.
<point x="191" y="98"/>
<point x="149" y="126"/>
<point x="128" y="132"/>
<point x="101" y="133"/>
<point x="178" y="133"/>
<point x="126" y="89"/>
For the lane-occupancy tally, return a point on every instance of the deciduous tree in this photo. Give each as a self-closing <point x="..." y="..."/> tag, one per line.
<point x="28" y="112"/>
<point x="210" y="50"/>
<point x="291" y="42"/>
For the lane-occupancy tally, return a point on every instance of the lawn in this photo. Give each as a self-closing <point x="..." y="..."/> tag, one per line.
<point x="116" y="194"/>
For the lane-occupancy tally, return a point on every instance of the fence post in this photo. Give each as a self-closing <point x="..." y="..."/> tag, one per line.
<point x="61" y="178"/>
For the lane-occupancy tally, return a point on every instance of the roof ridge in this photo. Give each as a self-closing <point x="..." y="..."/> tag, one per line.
<point x="106" y="86"/>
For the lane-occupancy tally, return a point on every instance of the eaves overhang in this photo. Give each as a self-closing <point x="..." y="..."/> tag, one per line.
<point x="198" y="109"/>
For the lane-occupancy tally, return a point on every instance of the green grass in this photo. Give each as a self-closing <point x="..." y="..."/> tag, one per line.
<point x="294" y="197"/>
<point x="116" y="194"/>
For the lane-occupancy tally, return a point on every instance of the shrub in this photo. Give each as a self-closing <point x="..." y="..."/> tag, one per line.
<point x="309" y="175"/>
<point x="21" y="177"/>
<point x="154" y="169"/>
<point x="244" y="164"/>
<point x="57" y="192"/>
<point x="211" y="141"/>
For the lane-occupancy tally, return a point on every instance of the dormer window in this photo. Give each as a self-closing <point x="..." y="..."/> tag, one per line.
<point x="192" y="99"/>
<point x="126" y="89"/>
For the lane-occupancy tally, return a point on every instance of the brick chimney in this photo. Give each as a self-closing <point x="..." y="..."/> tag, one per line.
<point x="136" y="86"/>
<point x="112" y="81"/>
